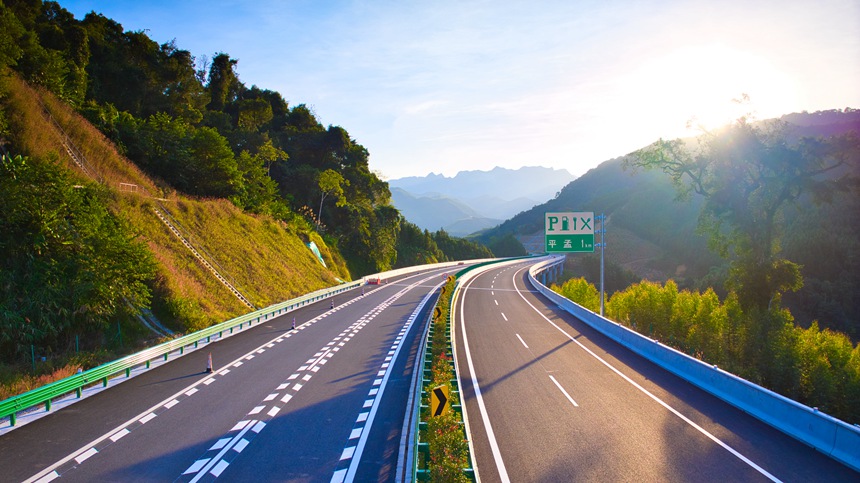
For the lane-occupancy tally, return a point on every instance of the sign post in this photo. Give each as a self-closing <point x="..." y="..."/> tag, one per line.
<point x="439" y="398"/>
<point x="569" y="232"/>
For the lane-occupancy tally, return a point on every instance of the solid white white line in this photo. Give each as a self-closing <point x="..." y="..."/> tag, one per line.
<point x="494" y="446"/>
<point x="564" y="392"/>
<point x="524" y="342"/>
<point x="652" y="396"/>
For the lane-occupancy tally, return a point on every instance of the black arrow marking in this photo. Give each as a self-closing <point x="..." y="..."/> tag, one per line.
<point x="440" y="396"/>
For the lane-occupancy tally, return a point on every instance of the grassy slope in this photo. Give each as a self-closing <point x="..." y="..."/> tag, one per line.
<point x="266" y="259"/>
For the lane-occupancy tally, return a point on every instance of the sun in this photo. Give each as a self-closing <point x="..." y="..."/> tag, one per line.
<point x="698" y="87"/>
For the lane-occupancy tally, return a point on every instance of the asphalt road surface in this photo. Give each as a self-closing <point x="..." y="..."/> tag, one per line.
<point x="549" y="399"/>
<point x="325" y="402"/>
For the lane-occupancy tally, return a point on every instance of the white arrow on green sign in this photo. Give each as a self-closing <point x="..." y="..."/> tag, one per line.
<point x="569" y="231"/>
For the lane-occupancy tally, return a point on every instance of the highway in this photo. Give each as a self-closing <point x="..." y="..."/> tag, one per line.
<point x="549" y="399"/>
<point x="324" y="402"/>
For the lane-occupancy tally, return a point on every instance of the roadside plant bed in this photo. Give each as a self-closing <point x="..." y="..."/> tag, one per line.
<point x="443" y="450"/>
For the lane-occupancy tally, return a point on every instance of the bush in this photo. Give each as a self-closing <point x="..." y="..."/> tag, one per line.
<point x="816" y="367"/>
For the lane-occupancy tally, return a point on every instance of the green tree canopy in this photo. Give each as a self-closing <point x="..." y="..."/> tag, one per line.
<point x="331" y="183"/>
<point x="748" y="173"/>
<point x="67" y="265"/>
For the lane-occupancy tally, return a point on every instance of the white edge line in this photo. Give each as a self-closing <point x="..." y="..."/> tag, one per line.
<point x="494" y="446"/>
<point x="359" y="448"/>
<point x="73" y="455"/>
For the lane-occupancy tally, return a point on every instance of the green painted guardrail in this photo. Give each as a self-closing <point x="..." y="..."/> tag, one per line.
<point x="76" y="383"/>
<point x="423" y="474"/>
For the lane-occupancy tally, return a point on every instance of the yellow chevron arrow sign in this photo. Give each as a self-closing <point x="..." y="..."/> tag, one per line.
<point x="439" y="398"/>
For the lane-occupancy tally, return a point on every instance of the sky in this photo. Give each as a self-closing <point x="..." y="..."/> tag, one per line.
<point x="452" y="85"/>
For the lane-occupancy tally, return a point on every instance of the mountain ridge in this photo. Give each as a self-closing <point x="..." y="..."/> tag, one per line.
<point x="474" y="200"/>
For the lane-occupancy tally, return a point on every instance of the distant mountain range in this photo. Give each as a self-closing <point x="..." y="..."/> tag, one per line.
<point x="473" y="201"/>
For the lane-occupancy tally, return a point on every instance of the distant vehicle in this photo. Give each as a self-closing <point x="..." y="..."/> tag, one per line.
<point x="461" y="263"/>
<point x="374" y="281"/>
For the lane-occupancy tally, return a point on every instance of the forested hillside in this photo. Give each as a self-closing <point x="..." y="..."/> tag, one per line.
<point x="102" y="130"/>
<point x="653" y="235"/>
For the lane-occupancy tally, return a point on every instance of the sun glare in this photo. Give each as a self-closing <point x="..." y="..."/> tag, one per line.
<point x="697" y="87"/>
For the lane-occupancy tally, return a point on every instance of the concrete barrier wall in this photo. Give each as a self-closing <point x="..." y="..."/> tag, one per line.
<point x="827" y="434"/>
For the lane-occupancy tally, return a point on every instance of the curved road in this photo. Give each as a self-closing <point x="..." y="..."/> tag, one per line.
<point x="324" y="402"/>
<point x="549" y="399"/>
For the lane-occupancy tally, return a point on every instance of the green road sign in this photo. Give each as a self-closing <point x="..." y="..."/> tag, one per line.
<point x="569" y="232"/>
<point x="570" y="243"/>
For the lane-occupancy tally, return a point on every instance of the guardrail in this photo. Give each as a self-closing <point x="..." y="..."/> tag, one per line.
<point x="75" y="383"/>
<point x="831" y="436"/>
<point x="423" y="474"/>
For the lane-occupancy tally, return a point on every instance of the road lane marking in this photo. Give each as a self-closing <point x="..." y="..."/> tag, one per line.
<point x="197" y="465"/>
<point x="524" y="342"/>
<point x="83" y="457"/>
<point x="342" y="474"/>
<point x="503" y="316"/>
<point x="217" y="462"/>
<point x="65" y="464"/>
<point x="564" y="392"/>
<point x="488" y="427"/>
<point x="149" y="417"/>
<point x="116" y="437"/>
<point x="651" y="395"/>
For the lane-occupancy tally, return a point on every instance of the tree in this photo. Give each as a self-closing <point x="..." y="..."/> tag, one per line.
<point x="331" y="183"/>
<point x="748" y="173"/>
<point x="223" y="81"/>
<point x="67" y="265"/>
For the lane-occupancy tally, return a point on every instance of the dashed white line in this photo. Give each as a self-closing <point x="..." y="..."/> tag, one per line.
<point x="563" y="391"/>
<point x="149" y="417"/>
<point x="85" y="455"/>
<point x="347" y="453"/>
<point x="524" y="342"/>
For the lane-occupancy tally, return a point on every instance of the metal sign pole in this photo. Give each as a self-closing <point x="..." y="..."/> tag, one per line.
<point x="602" y="246"/>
